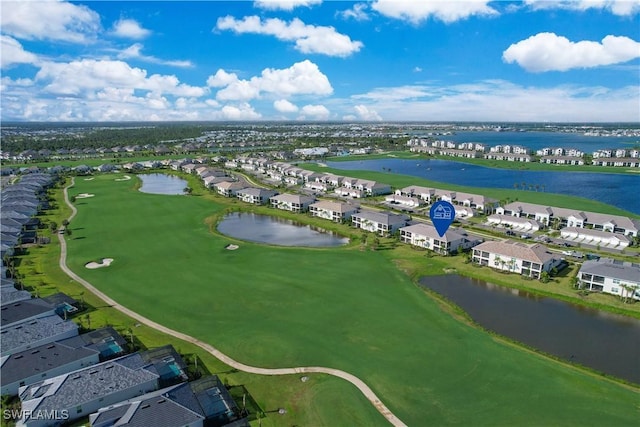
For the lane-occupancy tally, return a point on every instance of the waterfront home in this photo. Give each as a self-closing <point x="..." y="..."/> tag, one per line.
<point x="628" y="162"/>
<point x="425" y="236"/>
<point x="508" y="156"/>
<point x="211" y="181"/>
<point x="517" y="223"/>
<point x="562" y="160"/>
<point x="611" y="276"/>
<point x="424" y="193"/>
<point x="595" y="237"/>
<point x="562" y="217"/>
<point x="368" y="187"/>
<point x="205" y="401"/>
<point x="515" y="257"/>
<point x="292" y="202"/>
<point x="82" y="392"/>
<point x="383" y="223"/>
<point x="335" y="211"/>
<point x="256" y="196"/>
<point x="228" y="188"/>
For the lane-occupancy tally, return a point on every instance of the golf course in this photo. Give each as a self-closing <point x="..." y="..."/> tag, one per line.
<point x="342" y="307"/>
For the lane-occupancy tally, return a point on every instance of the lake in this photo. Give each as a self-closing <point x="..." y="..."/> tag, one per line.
<point x="276" y="231"/>
<point x="606" y="342"/>
<point x="612" y="189"/>
<point x="160" y="183"/>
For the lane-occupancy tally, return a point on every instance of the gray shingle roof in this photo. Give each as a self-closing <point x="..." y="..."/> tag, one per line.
<point x="33" y="331"/>
<point x="21" y="310"/>
<point x="608" y="267"/>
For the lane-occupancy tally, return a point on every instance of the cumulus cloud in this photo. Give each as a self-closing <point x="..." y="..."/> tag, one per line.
<point x="395" y="93"/>
<point x="243" y="111"/>
<point x="307" y="38"/>
<point x="130" y="29"/>
<point x="14" y="53"/>
<point x="315" y="112"/>
<point x="49" y="20"/>
<point x="284" y="4"/>
<point x="550" y="52"/>
<point x="284" y="106"/>
<point x="499" y="100"/>
<point x="416" y="11"/>
<point x="135" y="51"/>
<point x="86" y="76"/>
<point x="364" y="113"/>
<point x="358" y="12"/>
<point x="302" y="78"/>
<point x="616" y="7"/>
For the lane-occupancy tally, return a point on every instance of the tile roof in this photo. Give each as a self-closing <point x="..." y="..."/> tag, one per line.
<point x="430" y="231"/>
<point x="534" y="252"/>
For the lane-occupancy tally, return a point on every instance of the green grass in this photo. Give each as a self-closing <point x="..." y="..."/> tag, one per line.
<point x="343" y="308"/>
<point x="543" y="198"/>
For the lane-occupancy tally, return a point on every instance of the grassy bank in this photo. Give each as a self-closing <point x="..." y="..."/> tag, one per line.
<point x="547" y="199"/>
<point x="344" y="308"/>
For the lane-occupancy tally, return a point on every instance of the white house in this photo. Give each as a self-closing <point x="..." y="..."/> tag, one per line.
<point x="612" y="277"/>
<point x="335" y="211"/>
<point x="292" y="202"/>
<point x="595" y="237"/>
<point x="521" y="224"/>
<point x="228" y="188"/>
<point x="403" y="201"/>
<point x="528" y="260"/>
<point x="256" y="196"/>
<point x="426" y="236"/>
<point x="383" y="223"/>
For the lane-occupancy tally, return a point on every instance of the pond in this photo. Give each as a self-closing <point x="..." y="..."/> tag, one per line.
<point x="276" y="231"/>
<point x="606" y="342"/>
<point x="160" y="183"/>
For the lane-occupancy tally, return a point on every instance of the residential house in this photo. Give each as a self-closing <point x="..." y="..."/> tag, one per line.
<point x="611" y="276"/>
<point x="228" y="188"/>
<point x="45" y="361"/>
<point x="383" y="223"/>
<point x="24" y="311"/>
<point x="292" y="202"/>
<point x="426" y="236"/>
<point x="515" y="257"/>
<point x="256" y="196"/>
<point x="592" y="237"/>
<point x="106" y="341"/>
<point x="521" y="224"/>
<point x="334" y="211"/>
<point x="82" y="392"/>
<point x="403" y="201"/>
<point x="33" y="333"/>
<point x="424" y="193"/>
<point x="205" y="401"/>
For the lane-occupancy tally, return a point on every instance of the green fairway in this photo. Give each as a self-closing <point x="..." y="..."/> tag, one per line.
<point x="342" y="308"/>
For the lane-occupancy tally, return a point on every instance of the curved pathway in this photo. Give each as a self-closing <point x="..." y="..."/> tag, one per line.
<point x="364" y="388"/>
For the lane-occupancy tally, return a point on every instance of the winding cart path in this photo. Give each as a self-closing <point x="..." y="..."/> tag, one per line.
<point x="361" y="385"/>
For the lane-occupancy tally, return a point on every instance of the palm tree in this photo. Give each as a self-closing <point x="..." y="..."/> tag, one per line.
<point x="516" y="185"/>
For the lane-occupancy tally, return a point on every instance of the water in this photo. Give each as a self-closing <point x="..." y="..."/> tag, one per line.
<point x="276" y="231"/>
<point x="537" y="140"/>
<point x="606" y="342"/>
<point x="618" y="190"/>
<point x="159" y="183"/>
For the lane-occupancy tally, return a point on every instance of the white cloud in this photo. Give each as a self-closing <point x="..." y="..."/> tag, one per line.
<point x="357" y="12"/>
<point x="84" y="77"/>
<point x="14" y="53"/>
<point x="284" y="106"/>
<point x="129" y="28"/>
<point x="498" y="100"/>
<point x="307" y="38"/>
<point x="315" y="112"/>
<point x="617" y="7"/>
<point x="416" y="11"/>
<point x="49" y="20"/>
<point x="302" y="78"/>
<point x="135" y="51"/>
<point x="417" y="69"/>
<point x="364" y="113"/>
<point x="550" y="52"/>
<point x="243" y="111"/>
<point x="395" y="93"/>
<point x="284" y="4"/>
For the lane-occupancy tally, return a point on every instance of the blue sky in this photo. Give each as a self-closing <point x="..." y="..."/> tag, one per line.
<point x="380" y="60"/>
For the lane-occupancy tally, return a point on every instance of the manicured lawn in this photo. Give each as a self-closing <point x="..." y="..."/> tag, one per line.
<point x="343" y="308"/>
<point x="543" y="198"/>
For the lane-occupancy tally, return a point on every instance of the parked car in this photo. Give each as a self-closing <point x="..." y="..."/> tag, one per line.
<point x="525" y="236"/>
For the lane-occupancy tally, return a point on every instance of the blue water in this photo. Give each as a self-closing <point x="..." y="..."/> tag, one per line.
<point x="538" y="140"/>
<point x="614" y="189"/>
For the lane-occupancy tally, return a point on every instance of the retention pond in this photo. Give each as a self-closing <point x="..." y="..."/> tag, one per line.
<point x="160" y="183"/>
<point x="602" y="341"/>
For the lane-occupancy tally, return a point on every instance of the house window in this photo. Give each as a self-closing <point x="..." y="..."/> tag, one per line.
<point x="616" y="281"/>
<point x="615" y="290"/>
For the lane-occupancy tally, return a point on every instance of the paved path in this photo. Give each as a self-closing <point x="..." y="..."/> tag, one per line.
<point x="364" y="388"/>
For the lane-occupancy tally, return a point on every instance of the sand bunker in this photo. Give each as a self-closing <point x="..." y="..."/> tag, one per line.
<point x="84" y="195"/>
<point x="231" y="247"/>
<point x="124" y="178"/>
<point x="105" y="262"/>
<point x="89" y="179"/>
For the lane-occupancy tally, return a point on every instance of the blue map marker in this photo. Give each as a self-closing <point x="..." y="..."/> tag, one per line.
<point x="442" y="215"/>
